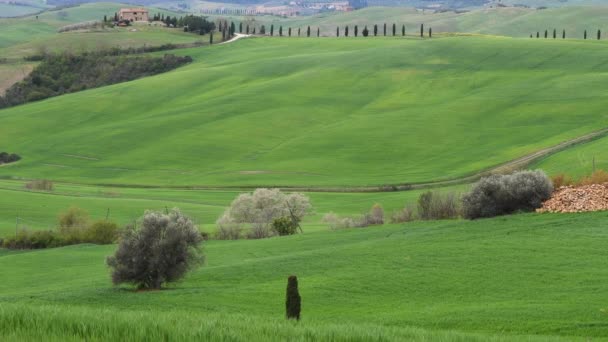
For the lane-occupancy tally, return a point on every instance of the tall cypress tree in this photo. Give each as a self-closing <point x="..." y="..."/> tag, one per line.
<point x="356" y="30"/>
<point x="293" y="301"/>
<point x="241" y="27"/>
<point x="554" y="33"/>
<point x="232" y="28"/>
<point x="211" y="37"/>
<point x="430" y="32"/>
<point x="394" y="29"/>
<point x="375" y="30"/>
<point x="585" y="34"/>
<point x="346" y="31"/>
<point x="365" y="31"/>
<point x="105" y="19"/>
<point x="403" y="30"/>
<point x="280" y="31"/>
<point x="318" y="32"/>
<point x="564" y="34"/>
<point x="289" y="31"/>
<point x="599" y="34"/>
<point x="272" y="29"/>
<point x="384" y="29"/>
<point x="308" y="32"/>
<point x="338" y="31"/>
<point x="298" y="31"/>
<point x="247" y="29"/>
<point x="546" y="34"/>
<point x="537" y="34"/>
<point x="422" y="31"/>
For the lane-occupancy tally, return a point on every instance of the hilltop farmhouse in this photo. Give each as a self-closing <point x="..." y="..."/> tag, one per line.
<point x="133" y="14"/>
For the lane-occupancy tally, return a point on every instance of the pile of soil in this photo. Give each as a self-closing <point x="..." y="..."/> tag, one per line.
<point x="569" y="199"/>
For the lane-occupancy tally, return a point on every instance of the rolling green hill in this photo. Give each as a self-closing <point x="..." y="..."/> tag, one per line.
<point x="322" y="112"/>
<point x="536" y="275"/>
<point x="577" y="161"/>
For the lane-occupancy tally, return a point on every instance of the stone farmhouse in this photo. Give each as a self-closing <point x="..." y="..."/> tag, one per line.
<point x="133" y="14"/>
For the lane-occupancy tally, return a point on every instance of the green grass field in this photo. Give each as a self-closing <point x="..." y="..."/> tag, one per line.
<point x="518" y="277"/>
<point x="577" y="161"/>
<point x="326" y="112"/>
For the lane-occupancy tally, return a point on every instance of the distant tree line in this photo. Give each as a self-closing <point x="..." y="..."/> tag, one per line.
<point x="345" y="31"/>
<point x="68" y="73"/>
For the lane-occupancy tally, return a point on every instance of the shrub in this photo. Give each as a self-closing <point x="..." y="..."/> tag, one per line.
<point x="227" y="228"/>
<point x="40" y="184"/>
<point x="437" y="206"/>
<point x="26" y="239"/>
<point x="561" y="180"/>
<point x="376" y="215"/>
<point x="102" y="232"/>
<point x="597" y="177"/>
<point x="163" y="250"/>
<point x="406" y="214"/>
<point x="73" y="224"/>
<point x="6" y="157"/>
<point x="284" y="226"/>
<point x="506" y="194"/>
<point x="260" y="209"/>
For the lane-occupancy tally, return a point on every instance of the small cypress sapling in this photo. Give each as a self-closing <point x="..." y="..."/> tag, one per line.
<point x="394" y="29"/>
<point x="403" y="30"/>
<point x="293" y="301"/>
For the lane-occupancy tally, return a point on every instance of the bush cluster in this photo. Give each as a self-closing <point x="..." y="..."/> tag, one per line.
<point x="257" y="213"/>
<point x="375" y="216"/>
<point x="438" y="206"/>
<point x="6" y="157"/>
<point x="74" y="227"/>
<point x="40" y="184"/>
<point x="68" y="73"/>
<point x="506" y="194"/>
<point x="597" y="177"/>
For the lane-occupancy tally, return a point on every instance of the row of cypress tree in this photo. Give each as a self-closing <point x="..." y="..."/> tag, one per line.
<point x="365" y="32"/>
<point x="585" y="35"/>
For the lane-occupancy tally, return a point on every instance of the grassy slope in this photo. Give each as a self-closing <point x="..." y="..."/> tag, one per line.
<point x="527" y="274"/>
<point x="516" y="22"/>
<point x="325" y="112"/>
<point x="7" y="10"/>
<point x="577" y="161"/>
<point x="26" y="36"/>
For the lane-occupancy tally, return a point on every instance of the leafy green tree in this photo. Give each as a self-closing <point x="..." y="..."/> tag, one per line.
<point x="365" y="32"/>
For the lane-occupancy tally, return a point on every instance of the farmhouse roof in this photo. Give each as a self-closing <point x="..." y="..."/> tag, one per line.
<point x="130" y="10"/>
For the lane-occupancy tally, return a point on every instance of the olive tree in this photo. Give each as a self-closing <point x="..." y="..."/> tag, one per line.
<point x="162" y="250"/>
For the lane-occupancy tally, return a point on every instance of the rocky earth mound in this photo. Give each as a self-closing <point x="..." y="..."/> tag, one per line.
<point x="569" y="199"/>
